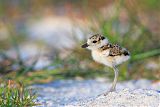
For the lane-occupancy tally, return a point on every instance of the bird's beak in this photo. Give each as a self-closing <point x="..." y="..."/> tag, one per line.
<point x="85" y="45"/>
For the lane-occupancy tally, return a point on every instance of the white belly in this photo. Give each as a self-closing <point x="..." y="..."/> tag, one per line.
<point x="99" y="57"/>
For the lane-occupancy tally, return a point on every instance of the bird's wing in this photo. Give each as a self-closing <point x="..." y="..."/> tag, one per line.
<point x="113" y="50"/>
<point x="116" y="50"/>
<point x="106" y="49"/>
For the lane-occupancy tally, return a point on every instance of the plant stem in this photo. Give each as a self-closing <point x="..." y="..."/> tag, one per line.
<point x="145" y="55"/>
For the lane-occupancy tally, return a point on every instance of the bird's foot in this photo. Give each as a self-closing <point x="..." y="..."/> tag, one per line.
<point x="106" y="93"/>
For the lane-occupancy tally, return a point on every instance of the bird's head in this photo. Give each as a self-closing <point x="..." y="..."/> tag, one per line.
<point x="94" y="42"/>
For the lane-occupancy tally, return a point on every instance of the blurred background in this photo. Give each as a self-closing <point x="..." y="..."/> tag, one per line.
<point x="40" y="40"/>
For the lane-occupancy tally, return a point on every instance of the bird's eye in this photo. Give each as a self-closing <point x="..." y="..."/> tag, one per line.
<point x="102" y="37"/>
<point x="94" y="41"/>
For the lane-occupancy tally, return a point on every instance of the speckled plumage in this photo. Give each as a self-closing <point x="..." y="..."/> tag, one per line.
<point x="114" y="49"/>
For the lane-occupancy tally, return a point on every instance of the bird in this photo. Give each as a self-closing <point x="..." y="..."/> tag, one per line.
<point x="108" y="54"/>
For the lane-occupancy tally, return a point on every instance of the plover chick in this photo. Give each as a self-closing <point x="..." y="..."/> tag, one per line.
<point x="106" y="53"/>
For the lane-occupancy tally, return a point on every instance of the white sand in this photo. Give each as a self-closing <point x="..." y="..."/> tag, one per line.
<point x="83" y="93"/>
<point x="124" y="98"/>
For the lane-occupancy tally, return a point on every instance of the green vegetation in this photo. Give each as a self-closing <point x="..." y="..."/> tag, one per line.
<point x="15" y="95"/>
<point x="132" y="24"/>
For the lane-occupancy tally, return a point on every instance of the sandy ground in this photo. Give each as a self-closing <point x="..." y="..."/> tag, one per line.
<point x="83" y="93"/>
<point x="123" y="98"/>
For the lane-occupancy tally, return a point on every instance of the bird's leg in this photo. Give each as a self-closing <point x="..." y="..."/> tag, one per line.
<point x="113" y="88"/>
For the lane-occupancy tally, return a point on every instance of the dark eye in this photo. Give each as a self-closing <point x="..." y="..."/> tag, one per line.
<point x="102" y="37"/>
<point x="94" y="41"/>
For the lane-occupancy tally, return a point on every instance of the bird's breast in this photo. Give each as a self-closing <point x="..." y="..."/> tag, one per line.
<point x="101" y="58"/>
<point x="97" y="56"/>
